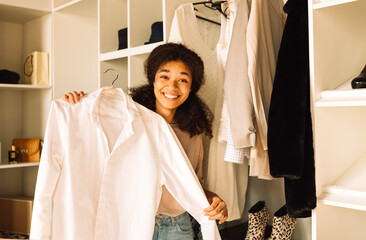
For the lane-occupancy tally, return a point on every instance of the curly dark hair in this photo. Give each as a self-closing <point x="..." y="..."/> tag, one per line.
<point x="193" y="116"/>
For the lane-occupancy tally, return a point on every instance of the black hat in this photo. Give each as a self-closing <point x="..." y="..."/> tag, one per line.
<point x="122" y="38"/>
<point x="156" y="33"/>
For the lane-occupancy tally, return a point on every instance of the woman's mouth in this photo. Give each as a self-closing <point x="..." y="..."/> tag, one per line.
<point x="172" y="96"/>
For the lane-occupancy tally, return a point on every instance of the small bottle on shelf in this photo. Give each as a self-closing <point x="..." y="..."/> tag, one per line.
<point x="13" y="155"/>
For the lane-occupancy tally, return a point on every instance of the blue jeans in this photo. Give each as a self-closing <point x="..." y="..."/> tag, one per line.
<point x="173" y="228"/>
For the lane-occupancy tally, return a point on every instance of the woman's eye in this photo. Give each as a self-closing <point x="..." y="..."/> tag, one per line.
<point x="164" y="77"/>
<point x="183" y="80"/>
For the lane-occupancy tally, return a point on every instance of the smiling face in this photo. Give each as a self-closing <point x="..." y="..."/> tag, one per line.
<point x="172" y="86"/>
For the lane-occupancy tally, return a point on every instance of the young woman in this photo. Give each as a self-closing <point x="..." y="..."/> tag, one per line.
<point x="175" y="74"/>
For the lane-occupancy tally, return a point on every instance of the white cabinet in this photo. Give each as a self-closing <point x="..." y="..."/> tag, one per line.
<point x="337" y="54"/>
<point x="24" y="28"/>
<point x="68" y="31"/>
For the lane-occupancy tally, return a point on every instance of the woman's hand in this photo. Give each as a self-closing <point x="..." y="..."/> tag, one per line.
<point x="217" y="209"/>
<point x="72" y="97"/>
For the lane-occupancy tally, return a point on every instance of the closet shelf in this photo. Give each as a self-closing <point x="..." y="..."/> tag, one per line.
<point x="318" y="4"/>
<point x="23" y="87"/>
<point x="349" y="191"/>
<point x="6" y="165"/>
<point x="144" y="48"/>
<point x="128" y="52"/>
<point x="342" y="102"/>
<point x="343" y="95"/>
<point x="20" y="15"/>
<point x="65" y="5"/>
<point x="348" y="200"/>
<point x="114" y="55"/>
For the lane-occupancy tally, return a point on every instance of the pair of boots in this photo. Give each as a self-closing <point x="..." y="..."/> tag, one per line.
<point x="360" y="80"/>
<point x="258" y="217"/>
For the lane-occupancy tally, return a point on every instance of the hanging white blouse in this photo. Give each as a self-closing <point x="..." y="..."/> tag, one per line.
<point x="226" y="179"/>
<point x="102" y="168"/>
<point x="200" y="36"/>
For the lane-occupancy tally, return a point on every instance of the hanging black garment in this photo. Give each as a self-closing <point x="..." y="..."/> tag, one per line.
<point x="290" y="136"/>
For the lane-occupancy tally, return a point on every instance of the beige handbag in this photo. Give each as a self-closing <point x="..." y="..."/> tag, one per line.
<point x="36" y="69"/>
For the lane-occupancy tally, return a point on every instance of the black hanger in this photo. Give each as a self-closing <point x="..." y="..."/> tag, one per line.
<point x="213" y="5"/>
<point x="115" y="77"/>
<point x="208" y="20"/>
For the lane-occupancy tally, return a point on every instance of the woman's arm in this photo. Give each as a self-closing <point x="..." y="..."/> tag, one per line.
<point x="217" y="209"/>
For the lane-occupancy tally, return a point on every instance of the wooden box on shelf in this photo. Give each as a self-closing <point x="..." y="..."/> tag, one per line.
<point x="16" y="214"/>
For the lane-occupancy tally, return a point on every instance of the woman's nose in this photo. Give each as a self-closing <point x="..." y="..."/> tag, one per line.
<point x="172" y="83"/>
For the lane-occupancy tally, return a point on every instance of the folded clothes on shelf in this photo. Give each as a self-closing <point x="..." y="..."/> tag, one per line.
<point x="7" y="76"/>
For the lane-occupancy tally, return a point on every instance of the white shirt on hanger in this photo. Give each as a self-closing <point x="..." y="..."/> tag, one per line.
<point x="103" y="164"/>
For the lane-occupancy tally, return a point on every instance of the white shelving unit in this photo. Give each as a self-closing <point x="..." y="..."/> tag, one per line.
<point x="68" y="31"/>
<point x="137" y="16"/>
<point x="24" y="27"/>
<point x="337" y="55"/>
<point x="343" y="95"/>
<point x="23" y="87"/>
<point x="348" y="191"/>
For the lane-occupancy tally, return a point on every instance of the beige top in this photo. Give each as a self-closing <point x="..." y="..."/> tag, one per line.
<point x="194" y="150"/>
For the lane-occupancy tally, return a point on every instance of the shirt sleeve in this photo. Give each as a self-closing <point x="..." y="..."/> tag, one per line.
<point x="47" y="178"/>
<point x="181" y="181"/>
<point x="199" y="168"/>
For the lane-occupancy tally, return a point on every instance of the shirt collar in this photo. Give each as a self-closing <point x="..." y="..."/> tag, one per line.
<point x="129" y="105"/>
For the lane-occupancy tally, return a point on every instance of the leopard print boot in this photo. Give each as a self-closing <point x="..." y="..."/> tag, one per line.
<point x="257" y="221"/>
<point x="283" y="225"/>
